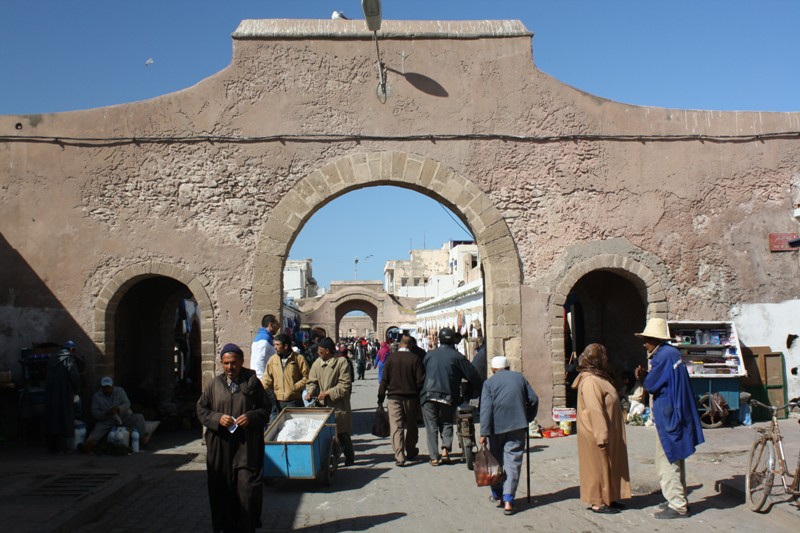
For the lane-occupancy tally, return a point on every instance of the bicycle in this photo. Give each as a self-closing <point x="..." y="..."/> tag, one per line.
<point x="767" y="460"/>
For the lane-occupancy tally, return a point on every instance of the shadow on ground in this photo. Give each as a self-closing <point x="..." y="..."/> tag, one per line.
<point x="358" y="523"/>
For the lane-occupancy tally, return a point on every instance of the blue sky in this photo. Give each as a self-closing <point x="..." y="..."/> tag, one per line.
<point x="60" y="55"/>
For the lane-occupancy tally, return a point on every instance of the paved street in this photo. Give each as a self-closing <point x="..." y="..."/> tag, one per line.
<point x="375" y="495"/>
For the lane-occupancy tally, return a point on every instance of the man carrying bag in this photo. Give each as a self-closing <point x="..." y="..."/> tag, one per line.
<point x="507" y="401"/>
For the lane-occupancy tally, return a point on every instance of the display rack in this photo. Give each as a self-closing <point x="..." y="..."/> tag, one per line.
<point x="710" y="349"/>
<point x="713" y="357"/>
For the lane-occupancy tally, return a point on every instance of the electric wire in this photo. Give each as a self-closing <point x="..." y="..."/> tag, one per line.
<point x="358" y="138"/>
<point x="458" y="222"/>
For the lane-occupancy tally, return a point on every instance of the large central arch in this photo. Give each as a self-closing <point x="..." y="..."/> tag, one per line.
<point x="498" y="252"/>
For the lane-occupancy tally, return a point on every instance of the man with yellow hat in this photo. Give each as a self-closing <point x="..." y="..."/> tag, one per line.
<point x="675" y="413"/>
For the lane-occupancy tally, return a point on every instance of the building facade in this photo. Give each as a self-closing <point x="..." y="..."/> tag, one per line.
<point x="298" y="280"/>
<point x="111" y="216"/>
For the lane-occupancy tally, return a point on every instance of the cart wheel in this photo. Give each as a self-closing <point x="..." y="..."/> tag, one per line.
<point x="708" y="418"/>
<point x="331" y="464"/>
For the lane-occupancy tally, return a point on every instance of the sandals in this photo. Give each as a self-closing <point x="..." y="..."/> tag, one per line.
<point x="435" y="462"/>
<point x="509" y="512"/>
<point x="445" y="457"/>
<point x="604" y="509"/>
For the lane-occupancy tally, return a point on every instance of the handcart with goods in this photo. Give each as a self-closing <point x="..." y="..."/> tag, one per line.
<point x="314" y="456"/>
<point x="713" y="357"/>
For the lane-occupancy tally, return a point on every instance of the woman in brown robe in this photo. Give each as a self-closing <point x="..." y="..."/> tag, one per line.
<point x="602" y="450"/>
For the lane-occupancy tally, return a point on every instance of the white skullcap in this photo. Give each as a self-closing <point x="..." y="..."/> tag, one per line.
<point x="499" y="362"/>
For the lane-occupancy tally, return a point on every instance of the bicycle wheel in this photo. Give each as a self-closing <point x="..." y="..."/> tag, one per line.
<point x="760" y="473"/>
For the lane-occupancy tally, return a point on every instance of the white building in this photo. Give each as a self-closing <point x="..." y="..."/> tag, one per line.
<point x="430" y="273"/>
<point x="298" y="281"/>
<point x="451" y="284"/>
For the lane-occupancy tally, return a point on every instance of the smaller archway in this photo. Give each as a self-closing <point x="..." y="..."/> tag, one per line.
<point x="349" y="308"/>
<point x="356" y="324"/>
<point x="605" y="299"/>
<point x="145" y="316"/>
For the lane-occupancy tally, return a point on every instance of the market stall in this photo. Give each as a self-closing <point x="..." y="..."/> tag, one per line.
<point x="713" y="358"/>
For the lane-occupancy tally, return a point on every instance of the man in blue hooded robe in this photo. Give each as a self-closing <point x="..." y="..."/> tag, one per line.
<point x="675" y="414"/>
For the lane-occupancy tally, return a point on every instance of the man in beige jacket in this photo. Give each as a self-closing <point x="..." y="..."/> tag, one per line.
<point x="285" y="375"/>
<point x="330" y="381"/>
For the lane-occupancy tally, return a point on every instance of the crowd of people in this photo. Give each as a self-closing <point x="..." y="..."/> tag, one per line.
<point x="235" y="408"/>
<point x="418" y="386"/>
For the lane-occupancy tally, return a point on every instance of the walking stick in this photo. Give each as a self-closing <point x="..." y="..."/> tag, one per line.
<point x="528" y="462"/>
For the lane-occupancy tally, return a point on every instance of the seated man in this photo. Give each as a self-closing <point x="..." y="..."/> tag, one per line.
<point x="111" y="407"/>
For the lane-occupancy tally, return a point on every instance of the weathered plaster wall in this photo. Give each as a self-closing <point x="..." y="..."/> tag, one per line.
<point x="689" y="215"/>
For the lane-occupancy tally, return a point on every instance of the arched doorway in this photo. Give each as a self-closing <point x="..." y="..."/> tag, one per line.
<point x="606" y="308"/>
<point x="146" y="327"/>
<point x="156" y="334"/>
<point x="352" y="309"/>
<point x="497" y="250"/>
<point x="609" y="298"/>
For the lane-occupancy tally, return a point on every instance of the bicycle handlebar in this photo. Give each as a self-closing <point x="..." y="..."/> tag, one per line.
<point x="773" y="408"/>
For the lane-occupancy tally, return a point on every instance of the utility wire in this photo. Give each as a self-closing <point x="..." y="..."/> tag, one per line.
<point x="458" y="222"/>
<point x="357" y="138"/>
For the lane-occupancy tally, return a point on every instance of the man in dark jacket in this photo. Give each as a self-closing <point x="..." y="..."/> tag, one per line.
<point x="445" y="367"/>
<point x="234" y="409"/>
<point x="403" y="377"/>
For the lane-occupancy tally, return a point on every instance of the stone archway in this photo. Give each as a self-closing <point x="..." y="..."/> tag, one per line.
<point x="643" y="279"/>
<point x="355" y="303"/>
<point x="123" y="281"/>
<point x="498" y="252"/>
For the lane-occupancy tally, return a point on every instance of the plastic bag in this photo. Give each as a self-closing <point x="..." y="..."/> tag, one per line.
<point x="380" y="424"/>
<point x="488" y="471"/>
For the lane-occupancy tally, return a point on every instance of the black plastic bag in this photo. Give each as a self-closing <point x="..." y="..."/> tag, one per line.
<point x="380" y="424"/>
<point x="488" y="471"/>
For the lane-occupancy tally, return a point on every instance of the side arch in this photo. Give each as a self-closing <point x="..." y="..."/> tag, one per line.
<point x="118" y="286"/>
<point x="497" y="249"/>
<point x="646" y="282"/>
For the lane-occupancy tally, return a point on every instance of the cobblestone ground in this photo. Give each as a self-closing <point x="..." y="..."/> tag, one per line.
<point x="377" y="496"/>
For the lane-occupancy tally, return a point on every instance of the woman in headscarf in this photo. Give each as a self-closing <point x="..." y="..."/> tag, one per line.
<point x="383" y="353"/>
<point x="602" y="449"/>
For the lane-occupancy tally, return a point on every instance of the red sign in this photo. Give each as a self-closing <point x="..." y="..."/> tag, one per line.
<point x="779" y="242"/>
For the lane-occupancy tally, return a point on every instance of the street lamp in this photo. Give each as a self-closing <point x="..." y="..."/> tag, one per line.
<point x="372" y="13"/>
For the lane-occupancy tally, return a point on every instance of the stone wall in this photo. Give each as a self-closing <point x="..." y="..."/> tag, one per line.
<point x="210" y="186"/>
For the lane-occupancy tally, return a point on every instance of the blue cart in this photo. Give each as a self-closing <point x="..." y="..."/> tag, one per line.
<point x="314" y="459"/>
